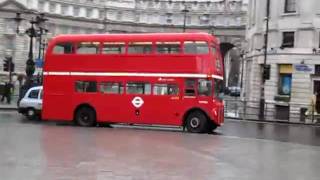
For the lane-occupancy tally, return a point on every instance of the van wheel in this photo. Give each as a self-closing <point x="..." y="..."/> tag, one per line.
<point x="31" y="114"/>
<point x="85" y="116"/>
<point x="197" y="122"/>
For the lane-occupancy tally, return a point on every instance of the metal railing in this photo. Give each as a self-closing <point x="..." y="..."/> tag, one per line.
<point x="274" y="111"/>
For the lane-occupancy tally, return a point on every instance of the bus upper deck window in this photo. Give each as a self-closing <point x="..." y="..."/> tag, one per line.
<point x="88" y="48"/>
<point x="63" y="48"/>
<point x="140" y="48"/>
<point x="113" y="48"/>
<point x="168" y="47"/>
<point x="196" y="47"/>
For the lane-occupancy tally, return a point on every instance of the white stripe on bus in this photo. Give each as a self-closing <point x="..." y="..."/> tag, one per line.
<point x="130" y="74"/>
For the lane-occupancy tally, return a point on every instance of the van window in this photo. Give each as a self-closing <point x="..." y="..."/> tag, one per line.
<point x="168" y="47"/>
<point x="88" y="48"/>
<point x="140" y="48"/>
<point x="34" y="94"/>
<point x="113" y="48"/>
<point x="196" y="47"/>
<point x="138" y="88"/>
<point x="63" y="48"/>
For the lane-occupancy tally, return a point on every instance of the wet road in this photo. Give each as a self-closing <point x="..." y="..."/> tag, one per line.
<point x="238" y="150"/>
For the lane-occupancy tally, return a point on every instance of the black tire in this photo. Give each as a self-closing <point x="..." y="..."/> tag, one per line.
<point x="85" y="116"/>
<point x="31" y="114"/>
<point x="212" y="127"/>
<point x="197" y="122"/>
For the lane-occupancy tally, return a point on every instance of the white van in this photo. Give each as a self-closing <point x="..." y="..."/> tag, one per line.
<point x="31" y="104"/>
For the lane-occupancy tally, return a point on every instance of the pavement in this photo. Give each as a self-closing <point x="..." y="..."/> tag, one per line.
<point x="236" y="151"/>
<point x="12" y="106"/>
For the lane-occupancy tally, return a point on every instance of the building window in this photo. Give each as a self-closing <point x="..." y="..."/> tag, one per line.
<point x="204" y="19"/>
<point x="287" y="39"/>
<point x="319" y="39"/>
<point x="76" y="11"/>
<point x="290" y="6"/>
<point x="52" y="7"/>
<point x="41" y="6"/>
<point x="285" y="79"/>
<point x="317" y="70"/>
<point x="86" y="86"/>
<point x="64" y="9"/>
<point x="119" y="16"/>
<point x="89" y="13"/>
<point x="169" y="18"/>
<point x="188" y="20"/>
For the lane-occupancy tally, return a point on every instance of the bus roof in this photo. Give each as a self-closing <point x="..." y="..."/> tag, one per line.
<point x="135" y="37"/>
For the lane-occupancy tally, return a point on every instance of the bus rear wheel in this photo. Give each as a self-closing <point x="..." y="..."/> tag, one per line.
<point x="197" y="122"/>
<point x="85" y="116"/>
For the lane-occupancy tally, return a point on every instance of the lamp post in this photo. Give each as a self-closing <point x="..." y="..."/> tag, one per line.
<point x="36" y="30"/>
<point x="262" y="95"/>
<point x="185" y="11"/>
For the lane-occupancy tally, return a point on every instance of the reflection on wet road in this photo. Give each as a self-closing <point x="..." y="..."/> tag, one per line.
<point x="239" y="150"/>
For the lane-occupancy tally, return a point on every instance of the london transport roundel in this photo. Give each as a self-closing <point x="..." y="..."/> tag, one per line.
<point x="137" y="102"/>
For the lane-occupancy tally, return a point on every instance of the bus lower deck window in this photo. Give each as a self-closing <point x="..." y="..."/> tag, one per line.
<point x="86" y="86"/>
<point x="189" y="87"/>
<point x="205" y="87"/>
<point x="138" y="88"/>
<point x="111" y="88"/>
<point x="165" y="89"/>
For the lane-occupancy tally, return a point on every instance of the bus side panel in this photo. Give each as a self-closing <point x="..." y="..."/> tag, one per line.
<point x="57" y="98"/>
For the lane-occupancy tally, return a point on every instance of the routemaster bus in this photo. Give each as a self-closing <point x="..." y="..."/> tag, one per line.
<point x="156" y="79"/>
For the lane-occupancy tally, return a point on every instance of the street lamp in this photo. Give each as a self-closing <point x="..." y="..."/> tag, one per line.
<point x="264" y="68"/>
<point x="36" y="30"/>
<point x="185" y="11"/>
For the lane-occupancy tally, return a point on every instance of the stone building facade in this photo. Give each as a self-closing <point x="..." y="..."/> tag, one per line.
<point x="225" y="18"/>
<point x="293" y="55"/>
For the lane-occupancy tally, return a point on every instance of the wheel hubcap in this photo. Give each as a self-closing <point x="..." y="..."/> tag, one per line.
<point x="30" y="113"/>
<point x="195" y="122"/>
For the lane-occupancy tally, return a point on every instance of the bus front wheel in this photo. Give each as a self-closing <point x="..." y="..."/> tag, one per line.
<point x="197" y="122"/>
<point x="85" y="116"/>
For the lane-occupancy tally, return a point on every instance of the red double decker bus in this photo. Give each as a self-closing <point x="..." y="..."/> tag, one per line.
<point x="160" y="79"/>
